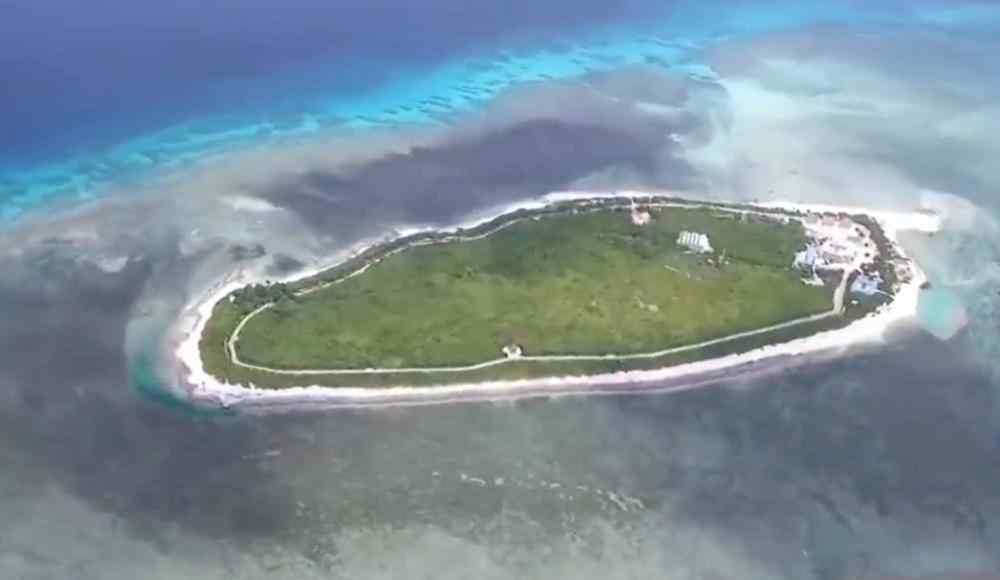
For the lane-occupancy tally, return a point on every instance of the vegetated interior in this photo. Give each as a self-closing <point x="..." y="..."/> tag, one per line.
<point x="575" y="282"/>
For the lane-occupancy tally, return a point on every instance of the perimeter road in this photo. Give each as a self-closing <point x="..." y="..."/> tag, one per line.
<point x="838" y="305"/>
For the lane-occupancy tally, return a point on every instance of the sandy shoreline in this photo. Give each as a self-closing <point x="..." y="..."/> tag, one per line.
<point x="203" y="389"/>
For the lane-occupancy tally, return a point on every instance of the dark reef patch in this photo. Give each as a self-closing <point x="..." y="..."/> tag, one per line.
<point x="907" y="430"/>
<point x="440" y="184"/>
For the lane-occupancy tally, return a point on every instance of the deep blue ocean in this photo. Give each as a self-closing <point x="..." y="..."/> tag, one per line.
<point x="101" y="92"/>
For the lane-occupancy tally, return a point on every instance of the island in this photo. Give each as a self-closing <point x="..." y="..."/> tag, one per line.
<point x="575" y="289"/>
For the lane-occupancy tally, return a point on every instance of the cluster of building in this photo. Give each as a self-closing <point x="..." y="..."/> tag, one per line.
<point x="838" y="243"/>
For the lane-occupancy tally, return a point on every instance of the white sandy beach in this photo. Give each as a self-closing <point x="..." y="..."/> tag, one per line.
<point x="203" y="389"/>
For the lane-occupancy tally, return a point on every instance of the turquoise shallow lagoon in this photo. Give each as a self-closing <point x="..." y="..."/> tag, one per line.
<point x="305" y="101"/>
<point x="941" y="312"/>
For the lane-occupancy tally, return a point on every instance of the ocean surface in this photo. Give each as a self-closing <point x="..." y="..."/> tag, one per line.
<point x="103" y="95"/>
<point x="149" y="151"/>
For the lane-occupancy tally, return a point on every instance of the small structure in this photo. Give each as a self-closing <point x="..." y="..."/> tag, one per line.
<point x="806" y="259"/>
<point x="695" y="242"/>
<point x="512" y="351"/>
<point x="639" y="217"/>
<point x="867" y="285"/>
<point x="835" y="258"/>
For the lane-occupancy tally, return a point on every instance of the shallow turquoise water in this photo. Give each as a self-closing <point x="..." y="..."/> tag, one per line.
<point x="941" y="312"/>
<point x="417" y="95"/>
<point x="144" y="379"/>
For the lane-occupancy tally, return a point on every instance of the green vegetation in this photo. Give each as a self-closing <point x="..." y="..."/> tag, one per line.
<point x="587" y="282"/>
<point x="217" y="363"/>
<point x="252" y="297"/>
<point x="885" y="254"/>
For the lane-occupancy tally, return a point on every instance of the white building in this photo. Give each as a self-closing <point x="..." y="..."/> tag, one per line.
<point x="867" y="285"/>
<point x="512" y="351"/>
<point x="695" y="242"/>
<point x="807" y="258"/>
<point x="639" y="217"/>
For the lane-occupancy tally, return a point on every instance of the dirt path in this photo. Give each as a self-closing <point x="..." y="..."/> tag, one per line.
<point x="838" y="304"/>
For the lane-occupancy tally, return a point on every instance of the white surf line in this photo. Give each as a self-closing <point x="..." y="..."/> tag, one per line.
<point x="234" y="337"/>
<point x="202" y="388"/>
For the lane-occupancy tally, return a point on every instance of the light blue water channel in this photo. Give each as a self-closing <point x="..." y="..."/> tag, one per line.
<point x="417" y="95"/>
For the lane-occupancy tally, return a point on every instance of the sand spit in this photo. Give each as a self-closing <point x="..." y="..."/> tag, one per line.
<point x="203" y="389"/>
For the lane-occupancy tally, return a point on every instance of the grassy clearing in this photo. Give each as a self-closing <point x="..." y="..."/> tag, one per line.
<point x="584" y="283"/>
<point x="514" y="370"/>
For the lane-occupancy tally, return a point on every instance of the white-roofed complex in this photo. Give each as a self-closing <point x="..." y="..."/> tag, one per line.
<point x="695" y="242"/>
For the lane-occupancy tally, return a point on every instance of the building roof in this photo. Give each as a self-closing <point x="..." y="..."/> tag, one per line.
<point x="865" y="284"/>
<point x="640" y="218"/>
<point x="695" y="241"/>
